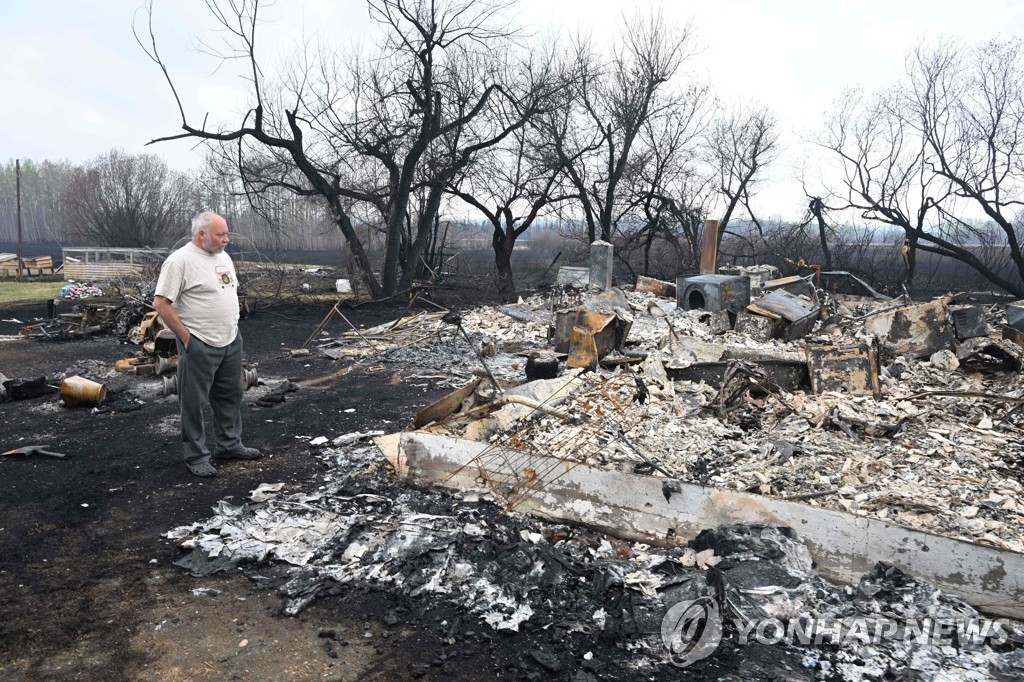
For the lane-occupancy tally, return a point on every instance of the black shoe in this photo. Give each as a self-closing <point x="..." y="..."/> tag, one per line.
<point x="244" y="453"/>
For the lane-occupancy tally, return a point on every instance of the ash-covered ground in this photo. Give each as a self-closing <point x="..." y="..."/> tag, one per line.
<point x="351" y="575"/>
<point x="582" y="605"/>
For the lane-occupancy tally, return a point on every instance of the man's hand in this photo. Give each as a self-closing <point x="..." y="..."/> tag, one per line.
<point x="165" y="309"/>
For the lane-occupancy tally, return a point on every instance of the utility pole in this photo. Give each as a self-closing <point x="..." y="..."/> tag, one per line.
<point x="17" y="191"/>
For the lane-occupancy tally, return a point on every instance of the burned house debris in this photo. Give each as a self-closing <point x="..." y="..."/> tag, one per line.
<point x="570" y="591"/>
<point x="878" y="430"/>
<point x="809" y="458"/>
<point x="83" y="320"/>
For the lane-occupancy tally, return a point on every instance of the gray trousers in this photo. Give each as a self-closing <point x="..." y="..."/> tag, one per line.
<point x="213" y="375"/>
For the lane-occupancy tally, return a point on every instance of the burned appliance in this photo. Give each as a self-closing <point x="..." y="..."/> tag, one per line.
<point x="713" y="292"/>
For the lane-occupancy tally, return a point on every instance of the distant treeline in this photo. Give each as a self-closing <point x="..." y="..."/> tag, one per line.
<point x="135" y="201"/>
<point x="126" y="200"/>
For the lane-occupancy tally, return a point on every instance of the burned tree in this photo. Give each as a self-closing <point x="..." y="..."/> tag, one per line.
<point x="512" y="186"/>
<point x="884" y="172"/>
<point x="967" y="104"/>
<point x="740" y="145"/>
<point x="927" y="155"/>
<point x="362" y="132"/>
<point x="468" y="94"/>
<point x="511" y="193"/>
<point x="527" y="91"/>
<point x="593" y="134"/>
<point x="816" y="209"/>
<point x="668" y="194"/>
<point x="120" y="199"/>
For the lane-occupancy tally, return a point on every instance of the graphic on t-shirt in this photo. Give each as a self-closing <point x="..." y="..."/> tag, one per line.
<point x="225" y="276"/>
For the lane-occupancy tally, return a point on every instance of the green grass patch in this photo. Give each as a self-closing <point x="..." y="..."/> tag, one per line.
<point x="27" y="292"/>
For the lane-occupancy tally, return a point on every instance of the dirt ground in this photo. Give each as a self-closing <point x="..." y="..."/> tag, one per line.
<point x="87" y="586"/>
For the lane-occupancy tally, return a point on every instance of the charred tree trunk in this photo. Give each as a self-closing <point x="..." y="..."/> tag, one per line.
<point x="909" y="259"/>
<point x="359" y="258"/>
<point x="817" y="208"/>
<point x="424" y="229"/>
<point x="503" y="246"/>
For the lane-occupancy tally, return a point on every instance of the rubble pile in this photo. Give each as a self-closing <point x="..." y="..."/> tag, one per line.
<point x="83" y="320"/>
<point x="429" y="343"/>
<point x="905" y="413"/>
<point x="937" y="463"/>
<point x="938" y="450"/>
<point x="572" y="591"/>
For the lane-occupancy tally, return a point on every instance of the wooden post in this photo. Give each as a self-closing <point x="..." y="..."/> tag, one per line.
<point x="17" y="191"/>
<point x="709" y="252"/>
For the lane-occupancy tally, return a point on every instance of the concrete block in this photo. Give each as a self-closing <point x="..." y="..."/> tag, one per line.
<point x="602" y="265"/>
<point x="577" y="278"/>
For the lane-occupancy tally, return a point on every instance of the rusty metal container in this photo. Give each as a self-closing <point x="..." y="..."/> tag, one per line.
<point x="564" y="321"/>
<point x="968" y="321"/>
<point x="852" y="368"/>
<point x="918" y="330"/>
<point x="796" y="285"/>
<point x="794" y="316"/>
<point x="76" y="391"/>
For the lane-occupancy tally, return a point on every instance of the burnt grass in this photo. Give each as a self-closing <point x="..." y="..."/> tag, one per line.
<point x="85" y="573"/>
<point x="79" y="537"/>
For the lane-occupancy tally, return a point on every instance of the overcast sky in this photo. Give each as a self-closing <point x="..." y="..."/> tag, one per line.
<point x="75" y="83"/>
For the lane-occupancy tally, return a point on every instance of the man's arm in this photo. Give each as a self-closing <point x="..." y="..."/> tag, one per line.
<point x="165" y="309"/>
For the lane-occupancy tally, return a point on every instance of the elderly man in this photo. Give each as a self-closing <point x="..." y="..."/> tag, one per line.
<point x="196" y="296"/>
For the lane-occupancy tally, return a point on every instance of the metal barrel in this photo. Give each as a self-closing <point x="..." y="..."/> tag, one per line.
<point x="78" y="391"/>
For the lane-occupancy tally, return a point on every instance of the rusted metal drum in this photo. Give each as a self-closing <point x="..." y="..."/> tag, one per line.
<point x="76" y="391"/>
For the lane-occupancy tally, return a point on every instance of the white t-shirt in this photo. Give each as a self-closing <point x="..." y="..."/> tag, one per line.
<point x="204" y="290"/>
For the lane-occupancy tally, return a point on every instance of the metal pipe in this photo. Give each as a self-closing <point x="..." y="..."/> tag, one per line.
<point x="250" y="378"/>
